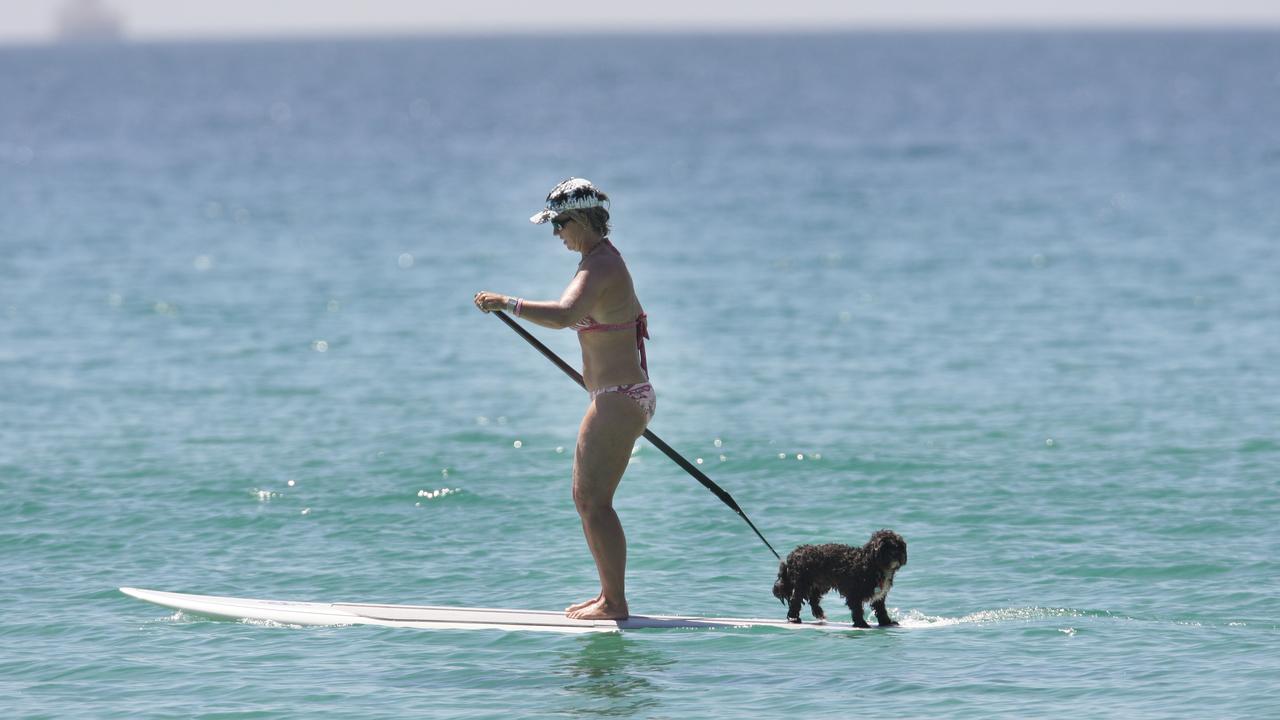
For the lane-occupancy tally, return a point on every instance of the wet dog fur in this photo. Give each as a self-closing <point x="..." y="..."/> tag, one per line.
<point x="860" y="574"/>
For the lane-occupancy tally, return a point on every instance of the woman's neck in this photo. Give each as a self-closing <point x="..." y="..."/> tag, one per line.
<point x="596" y="246"/>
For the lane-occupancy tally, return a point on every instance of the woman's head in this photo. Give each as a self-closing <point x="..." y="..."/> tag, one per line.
<point x="580" y="230"/>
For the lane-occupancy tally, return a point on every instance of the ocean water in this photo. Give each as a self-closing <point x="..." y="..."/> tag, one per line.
<point x="1011" y="294"/>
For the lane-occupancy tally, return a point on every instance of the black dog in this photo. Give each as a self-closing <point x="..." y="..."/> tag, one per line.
<point x="861" y="574"/>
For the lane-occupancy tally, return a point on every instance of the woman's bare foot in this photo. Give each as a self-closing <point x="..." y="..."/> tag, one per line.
<point x="601" y="610"/>
<point x="585" y="603"/>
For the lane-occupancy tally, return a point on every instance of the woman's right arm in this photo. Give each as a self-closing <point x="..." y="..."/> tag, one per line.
<point x="579" y="297"/>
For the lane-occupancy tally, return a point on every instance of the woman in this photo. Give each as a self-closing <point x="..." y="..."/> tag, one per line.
<point x="600" y="304"/>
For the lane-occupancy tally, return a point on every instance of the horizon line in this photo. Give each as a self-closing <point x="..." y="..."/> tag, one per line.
<point x="462" y="32"/>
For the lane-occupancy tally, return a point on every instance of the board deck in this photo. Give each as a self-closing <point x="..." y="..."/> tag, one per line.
<point x="436" y="617"/>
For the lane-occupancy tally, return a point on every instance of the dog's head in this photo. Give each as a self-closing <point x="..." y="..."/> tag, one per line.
<point x="888" y="548"/>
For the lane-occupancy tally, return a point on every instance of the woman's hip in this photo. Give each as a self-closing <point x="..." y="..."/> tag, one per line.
<point x="642" y="394"/>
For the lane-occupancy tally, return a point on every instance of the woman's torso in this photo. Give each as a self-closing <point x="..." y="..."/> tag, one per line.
<point x="612" y="333"/>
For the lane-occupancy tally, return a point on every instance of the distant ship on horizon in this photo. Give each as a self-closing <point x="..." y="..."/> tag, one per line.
<point x="89" y="21"/>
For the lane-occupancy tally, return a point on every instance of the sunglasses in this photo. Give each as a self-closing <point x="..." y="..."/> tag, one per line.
<point x="559" y="223"/>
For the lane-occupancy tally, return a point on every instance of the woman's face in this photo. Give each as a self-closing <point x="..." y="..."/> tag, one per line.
<point x="570" y="231"/>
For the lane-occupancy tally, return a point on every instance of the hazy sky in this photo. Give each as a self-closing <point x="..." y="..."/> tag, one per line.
<point x="33" y="20"/>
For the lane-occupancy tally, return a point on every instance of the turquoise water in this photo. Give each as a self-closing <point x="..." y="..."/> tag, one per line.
<point x="1012" y="295"/>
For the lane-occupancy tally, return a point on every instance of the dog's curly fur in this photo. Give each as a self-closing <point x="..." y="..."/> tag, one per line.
<point x="860" y="574"/>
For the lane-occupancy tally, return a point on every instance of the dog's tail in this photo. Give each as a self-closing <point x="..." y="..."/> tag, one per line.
<point x="785" y="583"/>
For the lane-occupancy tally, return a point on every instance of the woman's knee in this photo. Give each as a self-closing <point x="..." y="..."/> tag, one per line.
<point x="590" y="501"/>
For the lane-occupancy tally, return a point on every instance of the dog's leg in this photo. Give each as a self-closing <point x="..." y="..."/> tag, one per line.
<point x="818" y="614"/>
<point x="793" y="609"/>
<point x="882" y="615"/>
<point x="859" y="620"/>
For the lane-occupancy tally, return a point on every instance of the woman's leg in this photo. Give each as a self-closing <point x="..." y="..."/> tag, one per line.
<point x="608" y="433"/>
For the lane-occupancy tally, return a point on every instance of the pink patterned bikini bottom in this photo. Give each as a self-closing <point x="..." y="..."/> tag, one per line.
<point x="642" y="393"/>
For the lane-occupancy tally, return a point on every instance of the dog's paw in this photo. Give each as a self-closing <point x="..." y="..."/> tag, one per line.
<point x="795" y="620"/>
<point x="891" y="623"/>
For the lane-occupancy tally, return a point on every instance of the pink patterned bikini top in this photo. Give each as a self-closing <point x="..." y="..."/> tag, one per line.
<point x="641" y="324"/>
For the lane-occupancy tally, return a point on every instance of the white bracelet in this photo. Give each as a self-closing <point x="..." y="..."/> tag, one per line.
<point x="513" y="305"/>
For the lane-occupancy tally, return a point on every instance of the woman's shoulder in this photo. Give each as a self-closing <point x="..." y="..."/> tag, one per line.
<point x="604" y="263"/>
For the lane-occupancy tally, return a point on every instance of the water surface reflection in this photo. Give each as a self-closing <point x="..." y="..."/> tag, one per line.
<point x="611" y="675"/>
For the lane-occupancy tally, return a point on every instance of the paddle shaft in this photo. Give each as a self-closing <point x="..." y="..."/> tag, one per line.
<point x="657" y="442"/>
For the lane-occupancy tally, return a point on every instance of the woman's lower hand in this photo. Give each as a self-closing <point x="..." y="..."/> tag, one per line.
<point x="488" y="301"/>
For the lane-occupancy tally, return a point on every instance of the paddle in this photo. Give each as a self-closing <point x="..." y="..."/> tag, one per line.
<point x="689" y="467"/>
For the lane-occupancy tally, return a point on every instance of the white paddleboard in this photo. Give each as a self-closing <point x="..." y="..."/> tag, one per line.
<point x="432" y="617"/>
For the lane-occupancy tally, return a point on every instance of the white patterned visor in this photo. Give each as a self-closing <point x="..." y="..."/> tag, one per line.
<point x="572" y="194"/>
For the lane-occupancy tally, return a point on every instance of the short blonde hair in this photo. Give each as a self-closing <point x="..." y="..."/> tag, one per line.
<point x="596" y="218"/>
